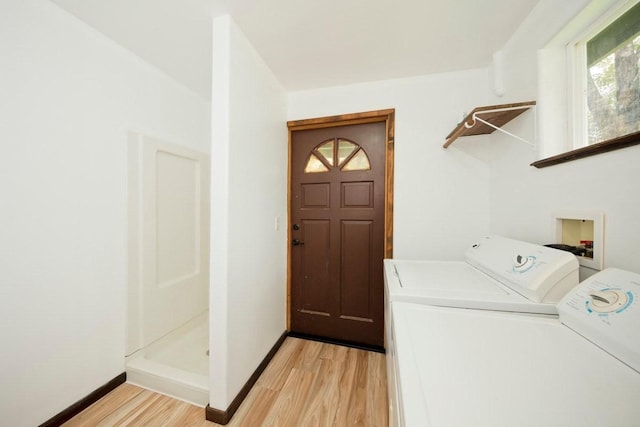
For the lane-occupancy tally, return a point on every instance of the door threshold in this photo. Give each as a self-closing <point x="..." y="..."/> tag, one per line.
<point x="350" y="344"/>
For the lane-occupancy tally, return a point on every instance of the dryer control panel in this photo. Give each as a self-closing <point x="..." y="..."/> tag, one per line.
<point x="605" y="310"/>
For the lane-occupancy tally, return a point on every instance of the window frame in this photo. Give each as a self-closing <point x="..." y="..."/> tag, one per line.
<point x="577" y="55"/>
<point x="577" y="103"/>
<point x="575" y="63"/>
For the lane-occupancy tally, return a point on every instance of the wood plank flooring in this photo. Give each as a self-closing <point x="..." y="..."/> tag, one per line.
<point x="307" y="384"/>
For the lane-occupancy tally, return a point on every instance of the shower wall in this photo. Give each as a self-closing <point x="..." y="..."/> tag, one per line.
<point x="168" y="238"/>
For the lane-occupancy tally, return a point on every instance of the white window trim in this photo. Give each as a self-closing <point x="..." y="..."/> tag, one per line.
<point x="576" y="59"/>
<point x="577" y="85"/>
<point x="558" y="92"/>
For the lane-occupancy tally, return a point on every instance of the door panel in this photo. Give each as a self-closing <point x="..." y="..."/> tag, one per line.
<point x="338" y="205"/>
<point x="315" y="195"/>
<point x="315" y="264"/>
<point x="357" y="194"/>
<point x="356" y="268"/>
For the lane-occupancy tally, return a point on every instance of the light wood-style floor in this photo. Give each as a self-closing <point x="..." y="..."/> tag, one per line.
<point x="306" y="384"/>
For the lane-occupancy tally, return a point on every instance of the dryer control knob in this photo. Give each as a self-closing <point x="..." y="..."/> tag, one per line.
<point x="607" y="301"/>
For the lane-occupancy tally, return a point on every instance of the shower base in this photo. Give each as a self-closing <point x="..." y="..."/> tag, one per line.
<point x="177" y="364"/>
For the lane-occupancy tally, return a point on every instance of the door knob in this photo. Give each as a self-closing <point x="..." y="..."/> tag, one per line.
<point x="296" y="242"/>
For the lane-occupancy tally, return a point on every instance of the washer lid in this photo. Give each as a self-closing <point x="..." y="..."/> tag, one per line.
<point x="483" y="368"/>
<point x="454" y="284"/>
<point x="447" y="277"/>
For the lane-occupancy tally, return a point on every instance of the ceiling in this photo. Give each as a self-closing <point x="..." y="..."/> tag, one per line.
<point x="312" y="44"/>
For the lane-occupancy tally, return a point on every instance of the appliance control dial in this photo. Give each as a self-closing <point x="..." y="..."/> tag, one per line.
<point x="522" y="263"/>
<point x="608" y="300"/>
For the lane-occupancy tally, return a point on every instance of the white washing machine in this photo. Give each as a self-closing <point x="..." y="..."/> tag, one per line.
<point x="497" y="274"/>
<point x="482" y="368"/>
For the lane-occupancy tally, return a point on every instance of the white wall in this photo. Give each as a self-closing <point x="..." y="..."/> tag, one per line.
<point x="69" y="95"/>
<point x="441" y="202"/>
<point x="523" y="198"/>
<point x="248" y="193"/>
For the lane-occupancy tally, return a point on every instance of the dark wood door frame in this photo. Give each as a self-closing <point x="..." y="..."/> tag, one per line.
<point x="386" y="116"/>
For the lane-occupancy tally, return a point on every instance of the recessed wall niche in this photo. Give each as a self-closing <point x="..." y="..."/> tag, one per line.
<point x="585" y="231"/>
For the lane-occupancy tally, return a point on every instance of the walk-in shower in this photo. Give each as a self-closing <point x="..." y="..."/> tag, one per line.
<point x="168" y="274"/>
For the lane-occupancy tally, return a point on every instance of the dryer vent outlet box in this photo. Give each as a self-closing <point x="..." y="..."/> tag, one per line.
<point x="585" y="232"/>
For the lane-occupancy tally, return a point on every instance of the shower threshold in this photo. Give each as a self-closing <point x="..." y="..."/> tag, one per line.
<point x="177" y="364"/>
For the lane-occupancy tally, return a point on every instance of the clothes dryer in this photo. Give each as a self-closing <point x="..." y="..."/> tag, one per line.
<point x="489" y="368"/>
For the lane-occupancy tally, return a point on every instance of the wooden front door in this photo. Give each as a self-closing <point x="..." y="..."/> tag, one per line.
<point x="337" y="236"/>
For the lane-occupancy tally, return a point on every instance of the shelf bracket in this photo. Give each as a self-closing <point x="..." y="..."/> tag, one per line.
<point x="475" y="118"/>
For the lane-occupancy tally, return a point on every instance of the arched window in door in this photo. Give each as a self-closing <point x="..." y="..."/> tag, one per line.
<point x="341" y="153"/>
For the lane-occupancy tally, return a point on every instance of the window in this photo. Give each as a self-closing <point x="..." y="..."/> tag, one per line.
<point x="347" y="155"/>
<point x="609" y="61"/>
<point x="589" y="84"/>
